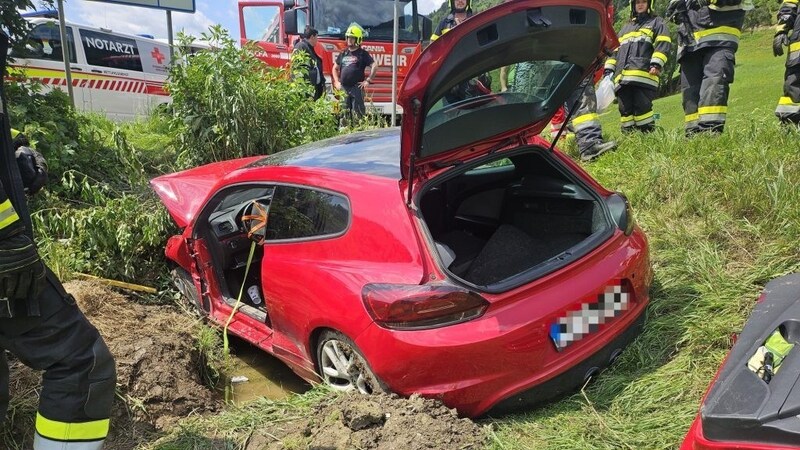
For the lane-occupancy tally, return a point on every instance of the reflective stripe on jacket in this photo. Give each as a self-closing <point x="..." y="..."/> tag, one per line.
<point x="713" y="27"/>
<point x="792" y="28"/>
<point x="642" y="44"/>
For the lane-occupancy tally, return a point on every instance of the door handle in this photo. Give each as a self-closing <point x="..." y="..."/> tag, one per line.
<point x="96" y="71"/>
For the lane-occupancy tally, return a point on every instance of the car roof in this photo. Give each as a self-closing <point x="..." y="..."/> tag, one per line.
<point x="372" y="152"/>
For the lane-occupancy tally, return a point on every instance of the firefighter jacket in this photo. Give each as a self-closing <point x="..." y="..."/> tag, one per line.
<point x="790" y="22"/>
<point x="719" y="24"/>
<point x="447" y="24"/>
<point x="644" y="42"/>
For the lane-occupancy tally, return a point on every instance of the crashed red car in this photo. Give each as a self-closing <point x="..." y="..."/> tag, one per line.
<point x="458" y="256"/>
<point x="754" y="401"/>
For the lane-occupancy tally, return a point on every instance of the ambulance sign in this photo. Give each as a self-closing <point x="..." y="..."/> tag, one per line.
<point x="171" y="5"/>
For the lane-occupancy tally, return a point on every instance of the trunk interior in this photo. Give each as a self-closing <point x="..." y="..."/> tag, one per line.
<point x="519" y="214"/>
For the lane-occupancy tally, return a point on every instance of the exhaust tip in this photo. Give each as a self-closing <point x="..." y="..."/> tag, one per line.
<point x="591" y="373"/>
<point x="614" y="356"/>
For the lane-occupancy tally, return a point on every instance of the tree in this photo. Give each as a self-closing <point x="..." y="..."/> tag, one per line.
<point x="13" y="24"/>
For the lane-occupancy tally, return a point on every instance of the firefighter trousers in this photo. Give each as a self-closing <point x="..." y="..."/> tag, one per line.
<point x="585" y="122"/>
<point x="788" y="110"/>
<point x="706" y="75"/>
<point x="636" y="108"/>
<point x="79" y="373"/>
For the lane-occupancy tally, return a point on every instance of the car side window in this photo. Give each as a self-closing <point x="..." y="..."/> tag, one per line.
<point x="298" y="212"/>
<point x="108" y="50"/>
<point x="44" y="42"/>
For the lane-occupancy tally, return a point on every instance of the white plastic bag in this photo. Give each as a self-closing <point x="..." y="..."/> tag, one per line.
<point x="604" y="93"/>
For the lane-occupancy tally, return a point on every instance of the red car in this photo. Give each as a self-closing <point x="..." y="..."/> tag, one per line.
<point x="459" y="256"/>
<point x="754" y="401"/>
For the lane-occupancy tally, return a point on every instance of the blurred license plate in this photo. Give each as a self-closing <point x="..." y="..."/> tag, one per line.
<point x="575" y="325"/>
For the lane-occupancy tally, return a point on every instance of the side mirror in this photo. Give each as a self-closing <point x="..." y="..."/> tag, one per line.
<point x="290" y="24"/>
<point x="427" y="28"/>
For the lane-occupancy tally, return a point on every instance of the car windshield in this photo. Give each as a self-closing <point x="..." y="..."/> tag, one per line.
<point x="332" y="17"/>
<point x="483" y="105"/>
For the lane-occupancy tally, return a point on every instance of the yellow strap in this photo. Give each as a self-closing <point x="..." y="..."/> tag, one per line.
<point x="238" y="299"/>
<point x="712" y="110"/>
<point x="7" y="214"/>
<point x="691" y="117"/>
<point x="64" y="431"/>
<point x="787" y="101"/>
<point x="794" y="46"/>
<point x="663" y="39"/>
<point x="644" y="116"/>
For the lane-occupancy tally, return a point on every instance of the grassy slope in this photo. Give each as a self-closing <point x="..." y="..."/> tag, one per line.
<point x="723" y="218"/>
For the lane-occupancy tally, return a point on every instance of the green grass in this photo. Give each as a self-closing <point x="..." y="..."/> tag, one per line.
<point x="723" y="217"/>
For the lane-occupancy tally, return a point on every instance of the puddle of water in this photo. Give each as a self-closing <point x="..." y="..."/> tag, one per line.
<point x="267" y="376"/>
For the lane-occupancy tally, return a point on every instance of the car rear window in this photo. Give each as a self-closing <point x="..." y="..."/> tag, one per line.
<point x="297" y="213"/>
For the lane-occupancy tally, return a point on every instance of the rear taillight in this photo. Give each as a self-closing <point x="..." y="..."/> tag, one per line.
<point x="621" y="212"/>
<point x="413" y="307"/>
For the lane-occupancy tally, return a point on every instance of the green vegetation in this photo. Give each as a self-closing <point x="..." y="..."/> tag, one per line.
<point x="228" y="104"/>
<point x="723" y="218"/>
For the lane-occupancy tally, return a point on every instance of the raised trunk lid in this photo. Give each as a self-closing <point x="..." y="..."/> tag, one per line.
<point x="450" y="112"/>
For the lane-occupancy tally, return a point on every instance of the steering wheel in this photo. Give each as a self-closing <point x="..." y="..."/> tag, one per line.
<point x="255" y="216"/>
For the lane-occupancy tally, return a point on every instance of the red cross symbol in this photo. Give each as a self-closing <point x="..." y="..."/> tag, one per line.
<point x="159" y="57"/>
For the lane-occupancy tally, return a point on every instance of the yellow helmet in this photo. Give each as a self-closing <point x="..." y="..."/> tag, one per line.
<point x="355" y="31"/>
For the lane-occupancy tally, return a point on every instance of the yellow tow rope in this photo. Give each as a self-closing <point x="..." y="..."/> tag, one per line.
<point x="238" y="299"/>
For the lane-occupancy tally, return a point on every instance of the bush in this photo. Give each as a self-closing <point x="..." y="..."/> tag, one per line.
<point x="229" y="104"/>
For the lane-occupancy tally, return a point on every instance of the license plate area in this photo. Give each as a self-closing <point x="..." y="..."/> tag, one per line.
<point x="613" y="302"/>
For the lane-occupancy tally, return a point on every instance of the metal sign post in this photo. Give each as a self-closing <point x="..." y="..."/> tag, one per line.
<point x="394" y="64"/>
<point x="65" y="51"/>
<point x="169" y="33"/>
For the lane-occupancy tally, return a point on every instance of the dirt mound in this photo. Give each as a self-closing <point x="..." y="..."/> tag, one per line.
<point x="384" y="422"/>
<point x="157" y="365"/>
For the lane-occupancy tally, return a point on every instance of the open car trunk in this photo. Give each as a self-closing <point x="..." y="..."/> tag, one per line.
<point x="512" y="219"/>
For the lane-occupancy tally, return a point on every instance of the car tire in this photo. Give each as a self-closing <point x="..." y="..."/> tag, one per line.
<point x="185" y="285"/>
<point x="343" y="367"/>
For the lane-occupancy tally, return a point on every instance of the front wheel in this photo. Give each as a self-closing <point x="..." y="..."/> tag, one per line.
<point x="343" y="367"/>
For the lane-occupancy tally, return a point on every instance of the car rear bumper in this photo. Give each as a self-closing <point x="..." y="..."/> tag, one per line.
<point x="507" y="358"/>
<point x="573" y="377"/>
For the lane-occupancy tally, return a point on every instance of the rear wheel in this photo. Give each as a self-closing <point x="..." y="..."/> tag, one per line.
<point x="343" y="367"/>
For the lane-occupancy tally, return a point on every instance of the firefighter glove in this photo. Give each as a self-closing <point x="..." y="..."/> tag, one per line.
<point x="778" y="43"/>
<point x="32" y="169"/>
<point x="22" y="273"/>
<point x="676" y="10"/>
<point x="608" y="73"/>
<point x="785" y="18"/>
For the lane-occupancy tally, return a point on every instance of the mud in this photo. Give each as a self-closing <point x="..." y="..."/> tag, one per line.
<point x="157" y="366"/>
<point x="158" y="377"/>
<point x="382" y="422"/>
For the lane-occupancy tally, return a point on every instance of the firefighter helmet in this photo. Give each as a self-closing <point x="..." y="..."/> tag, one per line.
<point x="355" y="31"/>
<point x="467" y="8"/>
<point x="649" y="10"/>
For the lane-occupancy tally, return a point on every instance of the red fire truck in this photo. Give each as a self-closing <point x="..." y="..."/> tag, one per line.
<point x="275" y="26"/>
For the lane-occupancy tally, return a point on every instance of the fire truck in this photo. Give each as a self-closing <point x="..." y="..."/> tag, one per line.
<point x="275" y="26"/>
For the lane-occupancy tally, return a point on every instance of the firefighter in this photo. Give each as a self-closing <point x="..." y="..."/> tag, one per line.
<point x="43" y="327"/>
<point x="460" y="10"/>
<point x="31" y="164"/>
<point x="708" y="39"/>
<point x="788" y="110"/>
<point x="636" y="64"/>
<point x="348" y="71"/>
<point x="585" y="122"/>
